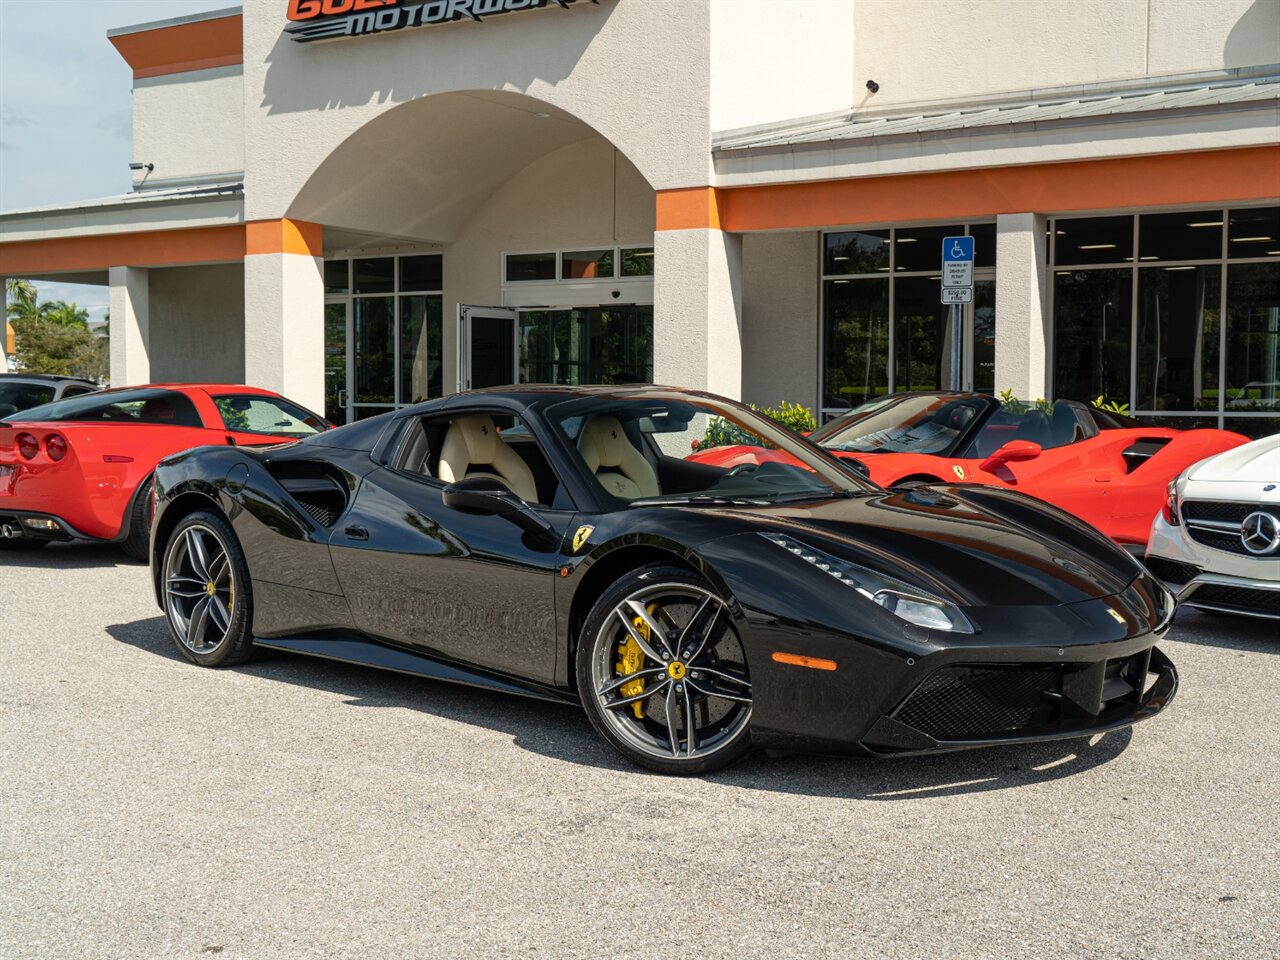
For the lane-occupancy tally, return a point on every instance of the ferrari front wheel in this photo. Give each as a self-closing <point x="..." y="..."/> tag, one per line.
<point x="663" y="674"/>
<point x="207" y="598"/>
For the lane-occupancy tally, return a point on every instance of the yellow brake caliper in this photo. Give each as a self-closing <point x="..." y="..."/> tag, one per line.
<point x="631" y="659"/>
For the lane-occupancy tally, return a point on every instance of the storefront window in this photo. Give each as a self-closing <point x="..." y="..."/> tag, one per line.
<point x="884" y="326"/>
<point x="922" y="334"/>
<point x="1180" y="236"/>
<point x="375" y="276"/>
<point x="586" y="264"/>
<point x="1196" y="316"/>
<point x="421" y="353"/>
<point x="391" y="316"/>
<point x="1178" y="331"/>
<point x="530" y="266"/>
<point x="588" y="345"/>
<point x="1091" y="333"/>
<point x="865" y="252"/>
<point x="637" y="261"/>
<point x="1094" y="240"/>
<point x="1254" y="233"/>
<point x="855" y="343"/>
<point x="1253" y="337"/>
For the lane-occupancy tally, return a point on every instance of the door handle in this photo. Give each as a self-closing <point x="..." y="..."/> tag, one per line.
<point x="356" y="533"/>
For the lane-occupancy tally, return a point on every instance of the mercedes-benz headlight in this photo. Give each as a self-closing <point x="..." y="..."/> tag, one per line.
<point x="901" y="599"/>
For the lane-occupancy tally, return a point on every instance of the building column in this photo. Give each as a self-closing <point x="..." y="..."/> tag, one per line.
<point x="697" y="298"/>
<point x="1024" y="331"/>
<point x="284" y="309"/>
<point x="130" y="325"/>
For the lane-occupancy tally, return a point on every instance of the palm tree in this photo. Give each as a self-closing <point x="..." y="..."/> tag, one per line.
<point x="19" y="291"/>
<point x="65" y="314"/>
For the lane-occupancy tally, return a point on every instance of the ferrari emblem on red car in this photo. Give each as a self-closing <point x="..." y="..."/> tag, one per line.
<point x="958" y="470"/>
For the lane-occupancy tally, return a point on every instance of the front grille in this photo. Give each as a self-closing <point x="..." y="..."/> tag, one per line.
<point x="1221" y="511"/>
<point x="958" y="703"/>
<point x="1172" y="571"/>
<point x="1218" y="510"/>
<point x="1245" y="599"/>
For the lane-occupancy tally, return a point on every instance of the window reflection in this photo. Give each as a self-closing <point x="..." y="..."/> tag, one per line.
<point x="609" y="345"/>
<point x="1093" y="240"/>
<point x="1178" y="326"/>
<point x="865" y="252"/>
<point x="855" y="341"/>
<point x="1253" y="337"/>
<point x="1091" y="334"/>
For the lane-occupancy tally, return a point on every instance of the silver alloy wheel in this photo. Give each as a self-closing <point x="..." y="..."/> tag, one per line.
<point x="199" y="588"/>
<point x="697" y="696"/>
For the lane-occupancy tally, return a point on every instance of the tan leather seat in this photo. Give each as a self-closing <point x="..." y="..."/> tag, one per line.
<point x="472" y="448"/>
<point x="620" y="467"/>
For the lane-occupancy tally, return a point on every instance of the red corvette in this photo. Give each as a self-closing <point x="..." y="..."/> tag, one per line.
<point x="1107" y="469"/>
<point x="80" y="469"/>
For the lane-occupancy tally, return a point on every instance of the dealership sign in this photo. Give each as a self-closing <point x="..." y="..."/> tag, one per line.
<point x="329" y="19"/>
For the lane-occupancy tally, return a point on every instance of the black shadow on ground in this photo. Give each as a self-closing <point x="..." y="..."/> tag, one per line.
<point x="1230" y="632"/>
<point x="562" y="733"/>
<point x="77" y="555"/>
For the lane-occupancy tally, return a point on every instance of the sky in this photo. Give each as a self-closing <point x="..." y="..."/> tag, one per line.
<point x="65" y="106"/>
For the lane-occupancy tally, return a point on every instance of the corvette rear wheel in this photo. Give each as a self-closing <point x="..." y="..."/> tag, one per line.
<point x="207" y="600"/>
<point x="663" y="674"/>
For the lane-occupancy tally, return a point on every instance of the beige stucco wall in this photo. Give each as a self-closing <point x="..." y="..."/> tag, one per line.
<point x="585" y="194"/>
<point x="773" y="61"/>
<point x="931" y="50"/>
<point x="189" y="124"/>
<point x="197" y="323"/>
<point x="780" y="318"/>
<point x="636" y="72"/>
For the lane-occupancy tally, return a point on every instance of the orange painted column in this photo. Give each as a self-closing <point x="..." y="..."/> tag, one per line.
<point x="284" y="309"/>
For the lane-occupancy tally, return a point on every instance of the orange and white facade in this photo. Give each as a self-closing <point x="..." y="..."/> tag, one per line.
<point x="739" y="195"/>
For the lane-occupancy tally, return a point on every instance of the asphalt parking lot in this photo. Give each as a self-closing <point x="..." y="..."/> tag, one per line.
<point x="297" y="808"/>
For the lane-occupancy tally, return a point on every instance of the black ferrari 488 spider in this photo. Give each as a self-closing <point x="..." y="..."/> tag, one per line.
<point x="555" y="542"/>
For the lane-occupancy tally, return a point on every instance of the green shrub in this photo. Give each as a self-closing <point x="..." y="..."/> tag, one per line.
<point x="722" y="433"/>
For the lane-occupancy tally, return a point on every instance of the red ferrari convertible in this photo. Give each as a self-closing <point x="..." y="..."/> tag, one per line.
<point x="1107" y="469"/>
<point x="80" y="469"/>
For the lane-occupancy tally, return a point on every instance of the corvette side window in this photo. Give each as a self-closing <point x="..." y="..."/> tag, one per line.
<point x="160" y="407"/>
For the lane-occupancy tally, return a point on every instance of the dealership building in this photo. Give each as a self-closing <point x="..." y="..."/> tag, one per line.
<point x="364" y="203"/>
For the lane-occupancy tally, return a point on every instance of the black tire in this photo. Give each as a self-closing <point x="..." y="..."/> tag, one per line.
<point x="597" y="647"/>
<point x="235" y="644"/>
<point x="23" y="545"/>
<point x="137" y="544"/>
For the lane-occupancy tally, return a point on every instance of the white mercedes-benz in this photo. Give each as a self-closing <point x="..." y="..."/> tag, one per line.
<point x="1216" y="541"/>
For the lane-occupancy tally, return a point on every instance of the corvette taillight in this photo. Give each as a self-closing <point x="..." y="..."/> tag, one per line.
<point x="55" y="445"/>
<point x="1170" y="508"/>
<point x="27" y="445"/>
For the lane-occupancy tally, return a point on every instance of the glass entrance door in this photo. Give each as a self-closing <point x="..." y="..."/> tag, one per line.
<point x="488" y="341"/>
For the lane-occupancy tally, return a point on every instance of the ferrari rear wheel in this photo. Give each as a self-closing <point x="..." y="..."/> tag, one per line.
<point x="207" y="599"/>
<point x="663" y="674"/>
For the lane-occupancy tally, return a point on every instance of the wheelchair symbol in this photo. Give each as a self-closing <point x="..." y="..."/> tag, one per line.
<point x="957" y="251"/>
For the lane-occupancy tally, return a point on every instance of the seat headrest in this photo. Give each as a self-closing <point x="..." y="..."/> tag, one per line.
<point x="605" y="437"/>
<point x="480" y="436"/>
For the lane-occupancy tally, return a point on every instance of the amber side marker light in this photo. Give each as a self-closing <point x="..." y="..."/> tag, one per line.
<point x="813" y="663"/>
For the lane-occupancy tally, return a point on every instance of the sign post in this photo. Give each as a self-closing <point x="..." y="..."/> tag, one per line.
<point x="957" y="289"/>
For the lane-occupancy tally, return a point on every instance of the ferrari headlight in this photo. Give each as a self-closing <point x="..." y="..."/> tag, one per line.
<point x="901" y="599"/>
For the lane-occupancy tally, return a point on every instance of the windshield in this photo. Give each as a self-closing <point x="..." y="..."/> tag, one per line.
<point x="146" y="405"/>
<point x="22" y="396"/>
<point x="644" y="450"/>
<point x="923" y="423"/>
<point x="273" y="416"/>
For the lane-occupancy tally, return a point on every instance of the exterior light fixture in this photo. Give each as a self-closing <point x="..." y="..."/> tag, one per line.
<point x="873" y="86"/>
<point x="142" y="166"/>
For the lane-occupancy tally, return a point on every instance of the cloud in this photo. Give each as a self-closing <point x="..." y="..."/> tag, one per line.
<point x="14" y="117"/>
<point x="117" y="123"/>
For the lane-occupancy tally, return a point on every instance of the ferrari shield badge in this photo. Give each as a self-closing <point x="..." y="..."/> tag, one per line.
<point x="580" y="538"/>
<point x="958" y="470"/>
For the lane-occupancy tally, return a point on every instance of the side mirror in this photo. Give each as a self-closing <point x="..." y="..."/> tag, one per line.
<point x="1015" y="451"/>
<point x="494" y="498"/>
